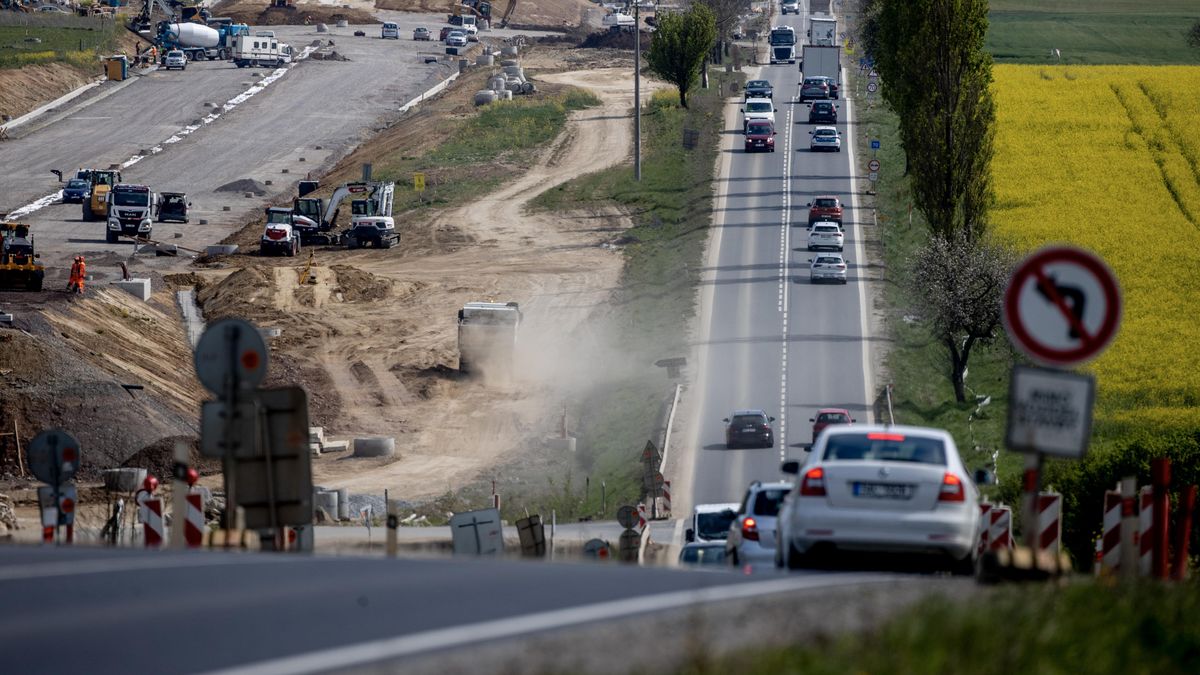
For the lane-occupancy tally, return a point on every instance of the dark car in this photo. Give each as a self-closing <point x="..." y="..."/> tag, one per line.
<point x="172" y="207"/>
<point x="749" y="428"/>
<point x="822" y="111"/>
<point x="825" y="207"/>
<point x="701" y="553"/>
<point x="760" y="136"/>
<point x="76" y="191"/>
<point x="759" y="89"/>
<point x="444" y="33"/>
<point x="828" y="416"/>
<point x="817" y="88"/>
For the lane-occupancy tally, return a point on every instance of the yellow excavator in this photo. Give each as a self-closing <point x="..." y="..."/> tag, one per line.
<point x="19" y="267"/>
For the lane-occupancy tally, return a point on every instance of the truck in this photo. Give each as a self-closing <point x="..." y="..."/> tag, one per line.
<point x="260" y="50"/>
<point x="101" y="181"/>
<point x="487" y="336"/>
<point x="198" y="41"/>
<point x="316" y="218"/>
<point x="783" y="44"/>
<point x="822" y="30"/>
<point x="279" y="236"/>
<point x="617" y="20"/>
<point x="19" y="266"/>
<point x="130" y="212"/>
<point x="371" y="222"/>
<point x="820" y="61"/>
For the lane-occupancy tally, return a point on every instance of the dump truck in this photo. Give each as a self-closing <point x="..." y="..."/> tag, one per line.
<point x="102" y="181"/>
<point x="130" y="212"/>
<point x="19" y="266"/>
<point x="487" y="336"/>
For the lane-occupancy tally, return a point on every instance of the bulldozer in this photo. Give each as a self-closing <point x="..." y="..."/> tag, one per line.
<point x="19" y="266"/>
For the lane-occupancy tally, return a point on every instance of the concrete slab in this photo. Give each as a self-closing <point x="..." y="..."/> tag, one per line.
<point x="138" y="288"/>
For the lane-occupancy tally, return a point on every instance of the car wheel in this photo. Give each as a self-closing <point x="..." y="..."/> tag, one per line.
<point x="966" y="567"/>
<point x="795" y="559"/>
<point x="110" y="237"/>
<point x="733" y="558"/>
<point x="731" y="445"/>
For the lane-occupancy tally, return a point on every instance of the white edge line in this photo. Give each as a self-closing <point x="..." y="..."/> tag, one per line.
<point x="375" y="651"/>
<point x="860" y="253"/>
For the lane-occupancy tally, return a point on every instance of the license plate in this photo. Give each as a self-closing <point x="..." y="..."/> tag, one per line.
<point x="747" y="429"/>
<point x="882" y="490"/>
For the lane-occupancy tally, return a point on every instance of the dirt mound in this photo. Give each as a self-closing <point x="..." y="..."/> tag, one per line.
<point x="158" y="458"/>
<point x="608" y="39"/>
<point x="235" y="293"/>
<point x="355" y="284"/>
<point x="244" y="185"/>
<point x="307" y="14"/>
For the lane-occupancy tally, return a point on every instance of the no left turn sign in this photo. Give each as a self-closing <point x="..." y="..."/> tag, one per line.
<point x="1062" y="306"/>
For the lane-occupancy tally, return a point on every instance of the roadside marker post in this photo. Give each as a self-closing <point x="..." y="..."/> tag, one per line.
<point x="1110" y="537"/>
<point x="1129" y="529"/>
<point x="1145" y="531"/>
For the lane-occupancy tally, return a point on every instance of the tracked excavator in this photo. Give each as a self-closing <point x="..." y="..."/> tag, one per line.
<point x="315" y="218"/>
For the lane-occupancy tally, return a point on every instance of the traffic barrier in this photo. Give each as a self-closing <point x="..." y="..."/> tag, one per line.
<point x="1110" y="539"/>
<point x="999" y="534"/>
<point x="152" y="522"/>
<point x="193" y="523"/>
<point x="1049" y="521"/>
<point x="665" y="509"/>
<point x="985" y="523"/>
<point x="642" y="517"/>
<point x="1145" y="530"/>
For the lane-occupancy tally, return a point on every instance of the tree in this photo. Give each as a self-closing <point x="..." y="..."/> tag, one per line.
<point x="681" y="41"/>
<point x="726" y="14"/>
<point x="1193" y="35"/>
<point x="961" y="284"/>
<point x="938" y="76"/>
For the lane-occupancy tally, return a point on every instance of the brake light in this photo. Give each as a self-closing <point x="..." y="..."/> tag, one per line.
<point x="877" y="436"/>
<point x="750" y="529"/>
<point x="813" y="484"/>
<point x="952" y="489"/>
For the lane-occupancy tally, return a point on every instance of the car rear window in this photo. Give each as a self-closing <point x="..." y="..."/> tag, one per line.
<point x="886" y="447"/>
<point x="832" y="418"/>
<point x="825" y="229"/>
<point x="714" y="525"/>
<point x="826" y="132"/>
<point x="760" y="128"/>
<point x="758" y="107"/>
<point x="825" y="203"/>
<point x="743" y="420"/>
<point x="767" y="502"/>
<point x="704" y="554"/>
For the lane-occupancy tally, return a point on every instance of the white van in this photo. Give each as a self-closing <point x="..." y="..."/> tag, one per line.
<point x="389" y="31"/>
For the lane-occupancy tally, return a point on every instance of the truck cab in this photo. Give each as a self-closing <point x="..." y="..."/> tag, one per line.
<point x="279" y="236"/>
<point x="129" y="212"/>
<point x="487" y="336"/>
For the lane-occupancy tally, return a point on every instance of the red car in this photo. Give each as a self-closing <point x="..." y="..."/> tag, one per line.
<point x="760" y="135"/>
<point x="825" y="207"/>
<point x="828" y="416"/>
<point x="445" y="31"/>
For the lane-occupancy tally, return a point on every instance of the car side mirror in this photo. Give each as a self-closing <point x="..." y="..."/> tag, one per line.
<point x="812" y="419"/>
<point x="791" y="467"/>
<point x="808" y="204"/>
<point x="725" y="420"/>
<point x="984" y="477"/>
<point x="772" y="419"/>
<point x="774" y="133"/>
<point x="689" y="536"/>
<point x="852" y="420"/>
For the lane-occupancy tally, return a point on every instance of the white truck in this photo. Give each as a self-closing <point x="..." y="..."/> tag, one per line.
<point x="783" y="44"/>
<point x="819" y="61"/>
<point x="487" y="336"/>
<point x="260" y="50"/>
<point x="822" y="31"/>
<point x="129" y="212"/>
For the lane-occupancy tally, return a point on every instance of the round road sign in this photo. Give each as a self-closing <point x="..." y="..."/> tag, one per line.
<point x="1062" y="306"/>
<point x="873" y="165"/>
<point x="53" y="456"/>
<point x="627" y="516"/>
<point x="872" y="87"/>
<point x="231" y="348"/>
<point x="596" y="549"/>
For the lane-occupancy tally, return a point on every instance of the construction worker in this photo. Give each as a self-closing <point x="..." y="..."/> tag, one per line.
<point x="78" y="275"/>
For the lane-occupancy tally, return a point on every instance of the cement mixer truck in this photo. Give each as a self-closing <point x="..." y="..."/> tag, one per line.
<point x="198" y="41"/>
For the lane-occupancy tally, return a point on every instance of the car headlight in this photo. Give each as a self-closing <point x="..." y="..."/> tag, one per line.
<point x="114" y="224"/>
<point x="145" y="225"/>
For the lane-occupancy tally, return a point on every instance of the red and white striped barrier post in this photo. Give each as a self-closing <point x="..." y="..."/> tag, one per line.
<point x="193" y="522"/>
<point x="152" y="522"/>
<point x="985" y="523"/>
<point x="1000" y="528"/>
<point x="1110" y="538"/>
<point x="1049" y="521"/>
<point x="1145" y="530"/>
<point x="642" y="517"/>
<point x="1160" y="475"/>
<point x="665" y="510"/>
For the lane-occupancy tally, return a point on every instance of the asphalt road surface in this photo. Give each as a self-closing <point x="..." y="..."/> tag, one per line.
<point x="771" y="339"/>
<point x="125" y="611"/>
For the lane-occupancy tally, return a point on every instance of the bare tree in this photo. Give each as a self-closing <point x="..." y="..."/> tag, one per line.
<point x="961" y="285"/>
<point x="727" y="13"/>
<point x="1193" y="35"/>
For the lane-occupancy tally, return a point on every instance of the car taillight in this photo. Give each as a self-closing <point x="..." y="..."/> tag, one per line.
<point x="841" y="267"/>
<point x="813" y="484"/>
<point x="750" y="529"/>
<point x="952" y="489"/>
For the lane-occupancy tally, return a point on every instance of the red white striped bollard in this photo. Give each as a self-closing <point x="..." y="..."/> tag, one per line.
<point x="642" y="517"/>
<point x="985" y="523"/>
<point x="1145" y="530"/>
<point x="1049" y="521"/>
<point x="152" y="522"/>
<point x="1000" y="528"/>
<point x="193" y="523"/>
<point x="1110" y="539"/>
<point x="665" y="511"/>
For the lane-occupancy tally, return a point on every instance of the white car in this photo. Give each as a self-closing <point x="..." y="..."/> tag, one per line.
<point x="752" y="534"/>
<point x="825" y="138"/>
<point x="827" y="267"/>
<point x="710" y="522"/>
<point x="175" y="59"/>
<point x="881" y="488"/>
<point x="825" y="235"/>
<point x="757" y="109"/>
<point x="389" y="31"/>
<point x="787" y="6"/>
<point x="456" y="38"/>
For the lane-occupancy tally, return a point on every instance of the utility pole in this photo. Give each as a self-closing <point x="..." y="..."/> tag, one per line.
<point x="637" y="92"/>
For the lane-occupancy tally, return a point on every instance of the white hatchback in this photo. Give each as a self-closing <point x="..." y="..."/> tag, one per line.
<point x="880" y="488"/>
<point x="826" y="235"/>
<point x="757" y="109"/>
<point x="825" y="138"/>
<point x="827" y="267"/>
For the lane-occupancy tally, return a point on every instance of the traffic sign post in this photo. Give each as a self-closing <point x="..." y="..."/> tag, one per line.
<point x="873" y="165"/>
<point x="53" y="457"/>
<point x="1062" y="308"/>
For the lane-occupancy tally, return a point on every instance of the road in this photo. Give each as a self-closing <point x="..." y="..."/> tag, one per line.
<point x="124" y="611"/>
<point x="610" y="531"/>
<point x="769" y="339"/>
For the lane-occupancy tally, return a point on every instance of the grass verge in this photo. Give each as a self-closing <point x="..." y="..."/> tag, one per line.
<point x="671" y="209"/>
<point x="55" y="38"/>
<point x="1084" y="628"/>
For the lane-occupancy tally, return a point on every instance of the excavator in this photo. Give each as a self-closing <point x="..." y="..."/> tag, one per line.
<point x="19" y="266"/>
<point x="316" y="219"/>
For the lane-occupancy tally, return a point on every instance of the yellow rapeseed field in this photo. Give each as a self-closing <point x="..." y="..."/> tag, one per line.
<point x="1108" y="158"/>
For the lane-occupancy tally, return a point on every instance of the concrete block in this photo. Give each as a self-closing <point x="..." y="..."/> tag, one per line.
<point x="327" y="501"/>
<point x="166" y="250"/>
<point x="123" y="480"/>
<point x="316" y="435"/>
<point x="335" y="446"/>
<point x="271" y="332"/>
<point x="315" y="448"/>
<point x="138" y="288"/>
<point x="221" y="249"/>
<point x="6" y="317"/>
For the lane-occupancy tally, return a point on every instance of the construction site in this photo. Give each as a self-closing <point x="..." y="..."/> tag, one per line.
<point x="467" y="329"/>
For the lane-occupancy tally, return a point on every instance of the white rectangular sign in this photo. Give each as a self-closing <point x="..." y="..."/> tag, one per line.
<point x="1050" y="412"/>
<point x="477" y="533"/>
